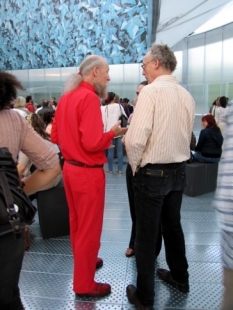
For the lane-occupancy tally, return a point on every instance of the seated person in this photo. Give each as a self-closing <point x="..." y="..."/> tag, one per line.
<point x="25" y="165"/>
<point x="209" y="146"/>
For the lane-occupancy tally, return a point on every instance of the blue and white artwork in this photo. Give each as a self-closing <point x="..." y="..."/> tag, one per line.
<point x="61" y="33"/>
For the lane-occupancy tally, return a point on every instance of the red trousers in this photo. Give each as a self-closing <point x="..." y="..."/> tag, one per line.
<point x="85" y="192"/>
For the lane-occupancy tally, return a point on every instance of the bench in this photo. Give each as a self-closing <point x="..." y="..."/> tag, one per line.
<point x="53" y="212"/>
<point x="201" y="178"/>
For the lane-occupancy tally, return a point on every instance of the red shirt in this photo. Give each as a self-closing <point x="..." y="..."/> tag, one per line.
<point x="78" y="127"/>
<point x="30" y="107"/>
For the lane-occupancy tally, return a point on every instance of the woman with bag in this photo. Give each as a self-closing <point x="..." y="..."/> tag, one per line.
<point x="111" y="113"/>
<point x="16" y="134"/>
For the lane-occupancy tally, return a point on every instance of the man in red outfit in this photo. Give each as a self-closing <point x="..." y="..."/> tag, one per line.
<point x="29" y="104"/>
<point x="78" y="129"/>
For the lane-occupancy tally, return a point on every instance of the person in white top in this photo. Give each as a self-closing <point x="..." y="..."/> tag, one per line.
<point x="158" y="146"/>
<point x="38" y="108"/>
<point x="221" y="114"/>
<point x="19" y="106"/>
<point x="110" y="115"/>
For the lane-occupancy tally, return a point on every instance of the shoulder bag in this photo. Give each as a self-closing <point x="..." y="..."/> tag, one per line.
<point x="15" y="206"/>
<point x="123" y="118"/>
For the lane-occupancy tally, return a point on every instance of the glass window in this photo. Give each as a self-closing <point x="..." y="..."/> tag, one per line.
<point x="196" y="59"/>
<point x="227" y="53"/>
<point x="116" y="83"/>
<point x="230" y="91"/>
<point x="37" y="86"/>
<point x="213" y="56"/>
<point x="67" y="72"/>
<point x="197" y="91"/>
<point x="214" y="91"/>
<point x="179" y="69"/>
<point x="22" y="76"/>
<point x="53" y="83"/>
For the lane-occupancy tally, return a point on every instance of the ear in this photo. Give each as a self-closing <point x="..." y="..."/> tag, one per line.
<point x="95" y="71"/>
<point x="156" y="63"/>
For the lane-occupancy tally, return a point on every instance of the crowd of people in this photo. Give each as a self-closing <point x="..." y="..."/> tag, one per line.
<point x="155" y="174"/>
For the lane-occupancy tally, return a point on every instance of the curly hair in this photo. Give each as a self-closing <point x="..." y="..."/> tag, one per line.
<point x="38" y="125"/>
<point x="165" y="56"/>
<point x="8" y="89"/>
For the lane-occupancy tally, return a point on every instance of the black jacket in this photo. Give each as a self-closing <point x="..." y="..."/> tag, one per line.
<point x="210" y="143"/>
<point x="44" y="110"/>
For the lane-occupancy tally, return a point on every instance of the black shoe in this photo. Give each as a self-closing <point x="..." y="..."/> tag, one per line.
<point x="166" y="276"/>
<point x="132" y="297"/>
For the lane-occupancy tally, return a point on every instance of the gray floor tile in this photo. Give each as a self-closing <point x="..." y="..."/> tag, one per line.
<point x="46" y="277"/>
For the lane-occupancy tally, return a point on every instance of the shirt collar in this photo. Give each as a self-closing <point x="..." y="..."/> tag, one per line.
<point x="167" y="78"/>
<point x="87" y="85"/>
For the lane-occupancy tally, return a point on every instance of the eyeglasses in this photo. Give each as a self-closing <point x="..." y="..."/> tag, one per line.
<point x="144" y="65"/>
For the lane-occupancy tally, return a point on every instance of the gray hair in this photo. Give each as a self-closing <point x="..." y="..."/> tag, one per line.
<point x="89" y="63"/>
<point x="165" y="55"/>
<point x="84" y="69"/>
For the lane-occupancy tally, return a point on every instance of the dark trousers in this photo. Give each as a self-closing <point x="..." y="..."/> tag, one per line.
<point x="11" y="258"/>
<point x="158" y="197"/>
<point x="129" y="183"/>
<point x="130" y="190"/>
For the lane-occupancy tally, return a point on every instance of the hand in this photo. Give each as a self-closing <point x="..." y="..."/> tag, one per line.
<point x="118" y="131"/>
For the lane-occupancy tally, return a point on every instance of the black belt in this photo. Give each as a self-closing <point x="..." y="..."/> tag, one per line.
<point x="150" y="169"/>
<point x="79" y="164"/>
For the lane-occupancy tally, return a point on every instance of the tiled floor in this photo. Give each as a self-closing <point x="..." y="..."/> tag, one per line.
<point x="46" y="277"/>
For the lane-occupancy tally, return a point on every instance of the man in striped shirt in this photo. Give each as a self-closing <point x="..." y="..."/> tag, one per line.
<point x="224" y="204"/>
<point x="157" y="145"/>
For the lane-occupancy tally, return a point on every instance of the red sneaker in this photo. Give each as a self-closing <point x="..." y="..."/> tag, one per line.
<point x="101" y="289"/>
<point x="99" y="263"/>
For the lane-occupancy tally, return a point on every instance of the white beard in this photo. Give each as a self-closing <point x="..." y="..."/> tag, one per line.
<point x="101" y="91"/>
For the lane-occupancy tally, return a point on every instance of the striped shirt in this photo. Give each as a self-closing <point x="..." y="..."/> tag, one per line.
<point x="223" y="200"/>
<point x="161" y="127"/>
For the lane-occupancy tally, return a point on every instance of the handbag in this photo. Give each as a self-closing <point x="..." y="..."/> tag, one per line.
<point x="123" y="118"/>
<point x="15" y="206"/>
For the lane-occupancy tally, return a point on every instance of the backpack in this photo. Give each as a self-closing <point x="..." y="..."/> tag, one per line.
<point x="15" y="206"/>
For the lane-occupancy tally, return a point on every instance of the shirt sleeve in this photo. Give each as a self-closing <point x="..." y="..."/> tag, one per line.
<point x="140" y="130"/>
<point x="36" y="149"/>
<point x="91" y="127"/>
